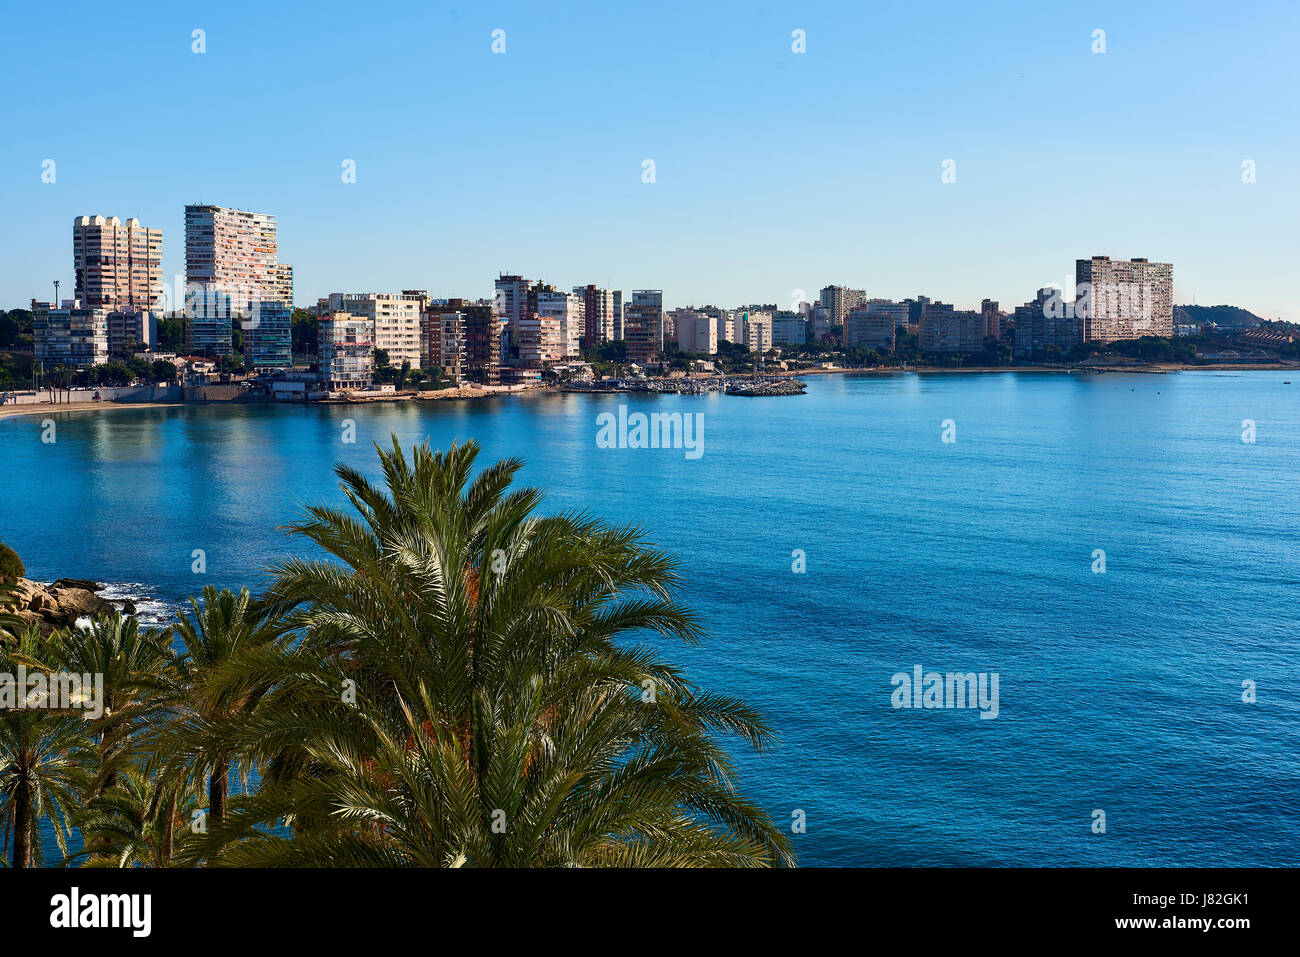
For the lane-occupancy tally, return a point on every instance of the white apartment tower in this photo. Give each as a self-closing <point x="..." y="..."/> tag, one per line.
<point x="117" y="265"/>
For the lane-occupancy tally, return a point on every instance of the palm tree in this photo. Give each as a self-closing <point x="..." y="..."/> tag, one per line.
<point x="226" y="627"/>
<point x="131" y="664"/>
<point x="132" y="823"/>
<point x="44" y="756"/>
<point x="464" y="691"/>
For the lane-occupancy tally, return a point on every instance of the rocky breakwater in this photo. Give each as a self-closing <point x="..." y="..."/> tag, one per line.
<point x="59" y="604"/>
<point x="759" y="387"/>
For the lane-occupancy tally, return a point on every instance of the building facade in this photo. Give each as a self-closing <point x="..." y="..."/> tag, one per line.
<point x="1124" y="299"/>
<point x="1042" y="330"/>
<point x="117" y="265"/>
<point x="396" y="318"/>
<point x="754" y="330"/>
<point x="873" y="325"/>
<point x="599" y="314"/>
<point x="347" y="351"/>
<point x="231" y="268"/>
<point x="838" y="300"/>
<point x="70" y="334"/>
<point x="483" y="335"/>
<point x="945" y="329"/>
<point x="570" y="309"/>
<point x="540" y="341"/>
<point x="268" y="338"/>
<point x="789" y="328"/>
<point x="697" y="332"/>
<point x="643" y="325"/>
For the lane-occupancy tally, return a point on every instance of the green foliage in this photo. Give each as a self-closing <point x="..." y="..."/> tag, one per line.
<point x="303" y="331"/>
<point x="11" y="566"/>
<point x="16" y="329"/>
<point x="171" y="335"/>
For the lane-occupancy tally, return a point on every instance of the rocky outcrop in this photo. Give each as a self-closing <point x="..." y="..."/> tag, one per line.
<point x="57" y="605"/>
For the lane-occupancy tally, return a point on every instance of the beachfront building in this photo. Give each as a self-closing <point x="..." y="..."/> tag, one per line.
<point x="483" y="335"/>
<point x="511" y="301"/>
<point x="445" y="323"/>
<point x="396" y="318"/>
<point x="570" y="309"/>
<point x="540" y="340"/>
<point x="230" y="270"/>
<point x="600" y="308"/>
<point x="268" y="339"/>
<point x="347" y="351"/>
<point x="945" y="329"/>
<point x="71" y="334"/>
<point x="697" y="332"/>
<point x="643" y="325"/>
<point x="874" y="325"/>
<point x="1123" y="299"/>
<point x="1042" y="330"/>
<point x="789" y="329"/>
<point x="117" y="265"/>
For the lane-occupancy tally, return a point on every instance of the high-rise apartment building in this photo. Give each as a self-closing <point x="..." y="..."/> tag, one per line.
<point x="540" y="341"/>
<point x="230" y="270"/>
<point x="1123" y="299"/>
<point x="70" y="334"/>
<point x="396" y="318"/>
<point x="643" y="325"/>
<point x="446" y="324"/>
<point x="754" y="330"/>
<point x="117" y="265"/>
<point x="839" y="300"/>
<point x="992" y="316"/>
<point x="599" y="311"/>
<point x="511" y="301"/>
<point x="483" y="335"/>
<point x="570" y="309"/>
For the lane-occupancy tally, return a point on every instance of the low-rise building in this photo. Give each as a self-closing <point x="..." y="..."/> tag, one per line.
<point x="347" y="351"/>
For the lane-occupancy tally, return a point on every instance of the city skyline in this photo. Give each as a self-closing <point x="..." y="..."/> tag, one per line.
<point x="774" y="171"/>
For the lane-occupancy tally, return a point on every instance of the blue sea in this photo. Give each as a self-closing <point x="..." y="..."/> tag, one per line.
<point x="1120" y="691"/>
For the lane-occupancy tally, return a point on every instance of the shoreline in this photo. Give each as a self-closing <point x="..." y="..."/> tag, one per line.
<point x="463" y="394"/>
<point x="1158" y="368"/>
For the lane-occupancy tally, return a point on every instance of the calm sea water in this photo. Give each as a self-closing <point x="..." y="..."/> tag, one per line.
<point x="1119" y="691"/>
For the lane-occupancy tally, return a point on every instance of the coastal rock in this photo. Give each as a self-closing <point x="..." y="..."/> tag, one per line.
<point x="58" y="605"/>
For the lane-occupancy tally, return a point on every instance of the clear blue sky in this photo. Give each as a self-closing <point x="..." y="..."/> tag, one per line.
<point x="775" y="171"/>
